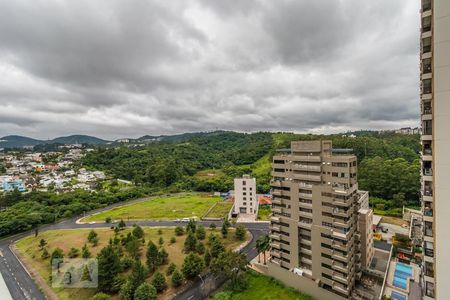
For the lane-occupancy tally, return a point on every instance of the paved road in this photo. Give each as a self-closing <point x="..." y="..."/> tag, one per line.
<point x="22" y="287"/>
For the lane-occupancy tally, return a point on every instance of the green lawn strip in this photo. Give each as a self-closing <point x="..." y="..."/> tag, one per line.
<point x="262" y="287"/>
<point x="220" y="210"/>
<point x="164" y="208"/>
<point x="264" y="213"/>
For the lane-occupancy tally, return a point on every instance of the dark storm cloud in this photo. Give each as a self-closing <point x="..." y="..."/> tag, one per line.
<point x="128" y="68"/>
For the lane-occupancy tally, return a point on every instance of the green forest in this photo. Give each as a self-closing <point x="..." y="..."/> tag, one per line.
<point x="389" y="169"/>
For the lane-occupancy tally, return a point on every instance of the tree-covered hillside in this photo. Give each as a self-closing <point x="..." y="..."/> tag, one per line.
<point x="389" y="163"/>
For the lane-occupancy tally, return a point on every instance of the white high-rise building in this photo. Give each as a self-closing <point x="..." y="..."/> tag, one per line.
<point x="245" y="198"/>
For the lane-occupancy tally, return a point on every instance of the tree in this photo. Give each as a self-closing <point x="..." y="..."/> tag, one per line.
<point x="216" y="248"/>
<point x="42" y="244"/>
<point x="173" y="240"/>
<point x="108" y="220"/>
<point x="191" y="226"/>
<point x="172" y="267"/>
<point x="224" y="230"/>
<point x="160" y="232"/>
<point x="161" y="241"/>
<point x="133" y="247"/>
<point x="57" y="254"/>
<point x="85" y="253"/>
<point x="162" y="257"/>
<point x="200" y="233"/>
<point x="262" y="246"/>
<point x="190" y="243"/>
<point x="192" y="265"/>
<point x="240" y="233"/>
<point x="121" y="224"/>
<point x="127" y="290"/>
<point x="73" y="252"/>
<point x="233" y="265"/>
<point x="399" y="200"/>
<point x="177" y="278"/>
<point x="101" y="296"/>
<point x="145" y="292"/>
<point x="159" y="282"/>
<point x="138" y="274"/>
<point x="200" y="248"/>
<point x="45" y="254"/>
<point x="212" y="226"/>
<point x="138" y="232"/>
<point x="207" y="258"/>
<point x="179" y="231"/>
<point x="93" y="238"/>
<point x="108" y="268"/>
<point x="152" y="256"/>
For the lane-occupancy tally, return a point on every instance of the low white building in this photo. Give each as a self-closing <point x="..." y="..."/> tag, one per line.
<point x="245" y="199"/>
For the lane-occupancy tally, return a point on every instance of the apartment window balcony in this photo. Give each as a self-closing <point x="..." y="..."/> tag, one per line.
<point x="429" y="289"/>
<point x="427" y="172"/>
<point x="427" y="128"/>
<point x="429" y="252"/>
<point x="305" y="185"/>
<point x="427" y="87"/>
<point x="426" y="5"/>
<point x="428" y="228"/>
<point x="426" y="65"/>
<point x="429" y="269"/>
<point x="426" y="45"/>
<point x="427" y="189"/>
<point x="428" y="212"/>
<point x="426" y="24"/>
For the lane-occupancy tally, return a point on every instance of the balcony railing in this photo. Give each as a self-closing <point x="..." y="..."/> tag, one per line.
<point x="427" y="151"/>
<point x="427" y="131"/>
<point x="426" y="49"/>
<point x="428" y="212"/>
<point x="426" y="7"/>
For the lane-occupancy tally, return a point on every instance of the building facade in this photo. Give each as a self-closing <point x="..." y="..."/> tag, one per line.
<point x="245" y="198"/>
<point x="435" y="118"/>
<point x="315" y="231"/>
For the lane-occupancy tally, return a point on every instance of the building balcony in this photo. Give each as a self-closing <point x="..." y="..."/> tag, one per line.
<point x="275" y="183"/>
<point x="304" y="224"/>
<point x="339" y="277"/>
<point x="305" y="158"/>
<point x="429" y="252"/>
<point x="275" y="227"/>
<point x="276" y="200"/>
<point x="428" y="212"/>
<point x="275" y="253"/>
<point x="276" y="209"/>
<point x="275" y="245"/>
<point x="305" y="185"/>
<point x="275" y="236"/>
<point x="340" y="289"/>
<point x="305" y="167"/>
<point x="307" y="177"/>
<point x="304" y="195"/>
<point x="275" y="219"/>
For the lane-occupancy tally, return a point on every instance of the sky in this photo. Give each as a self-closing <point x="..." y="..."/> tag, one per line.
<point x="114" y="68"/>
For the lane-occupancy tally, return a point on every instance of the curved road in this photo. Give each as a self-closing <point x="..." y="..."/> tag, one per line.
<point x="22" y="286"/>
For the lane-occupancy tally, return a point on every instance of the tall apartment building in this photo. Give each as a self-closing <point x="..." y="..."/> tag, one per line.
<point x="435" y="118"/>
<point x="316" y="226"/>
<point x="245" y="198"/>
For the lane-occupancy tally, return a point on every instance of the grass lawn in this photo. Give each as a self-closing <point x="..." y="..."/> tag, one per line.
<point x="164" y="208"/>
<point x="261" y="287"/>
<point x="220" y="210"/>
<point x="210" y="173"/>
<point x="66" y="239"/>
<point x="264" y="213"/>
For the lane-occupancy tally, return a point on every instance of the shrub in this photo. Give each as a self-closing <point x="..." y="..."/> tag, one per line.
<point x="177" y="278"/>
<point x="200" y="233"/>
<point x="73" y="252"/>
<point x="159" y="282"/>
<point x="192" y="265"/>
<point x="179" y="231"/>
<point x="172" y="267"/>
<point x="145" y="292"/>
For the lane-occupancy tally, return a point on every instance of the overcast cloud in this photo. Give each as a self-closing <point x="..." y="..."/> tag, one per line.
<point x="117" y="68"/>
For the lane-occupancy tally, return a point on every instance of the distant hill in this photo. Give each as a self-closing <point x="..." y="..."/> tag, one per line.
<point x="78" y="139"/>
<point x="16" y="141"/>
<point x="177" y="137"/>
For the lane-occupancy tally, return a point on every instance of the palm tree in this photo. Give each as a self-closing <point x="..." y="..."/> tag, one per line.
<point x="262" y="245"/>
<point x="259" y="247"/>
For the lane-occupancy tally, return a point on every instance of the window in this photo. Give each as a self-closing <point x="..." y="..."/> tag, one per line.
<point x="429" y="289"/>
<point x="244" y="182"/>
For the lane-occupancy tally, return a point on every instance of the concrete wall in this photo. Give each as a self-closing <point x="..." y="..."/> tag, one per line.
<point x="302" y="284"/>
